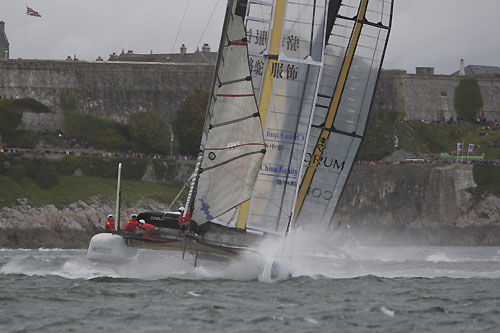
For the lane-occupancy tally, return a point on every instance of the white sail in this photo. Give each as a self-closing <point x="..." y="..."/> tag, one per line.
<point x="295" y="73"/>
<point x="354" y="77"/>
<point x="232" y="144"/>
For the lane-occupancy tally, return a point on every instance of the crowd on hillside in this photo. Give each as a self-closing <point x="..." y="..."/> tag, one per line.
<point x="428" y="161"/>
<point x="79" y="152"/>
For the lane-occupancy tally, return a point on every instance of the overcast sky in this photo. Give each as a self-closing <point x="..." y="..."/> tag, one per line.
<point x="433" y="33"/>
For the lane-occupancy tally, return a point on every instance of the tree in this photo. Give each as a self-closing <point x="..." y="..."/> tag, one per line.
<point x="189" y="121"/>
<point x="149" y="132"/>
<point x="10" y="120"/>
<point x="467" y="99"/>
<point x="68" y="101"/>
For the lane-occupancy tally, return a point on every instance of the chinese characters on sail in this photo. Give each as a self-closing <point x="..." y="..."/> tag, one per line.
<point x="278" y="70"/>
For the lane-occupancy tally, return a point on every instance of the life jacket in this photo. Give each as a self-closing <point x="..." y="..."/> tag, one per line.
<point x="184" y="220"/>
<point x="147" y="227"/>
<point x="131" y="225"/>
<point x="110" y="225"/>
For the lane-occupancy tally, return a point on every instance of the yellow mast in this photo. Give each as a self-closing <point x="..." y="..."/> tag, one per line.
<point x="267" y="88"/>
<point x="325" y="132"/>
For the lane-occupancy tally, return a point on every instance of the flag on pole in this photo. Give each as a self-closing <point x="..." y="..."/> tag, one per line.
<point x="459" y="147"/>
<point x="32" y="12"/>
<point x="471" y="147"/>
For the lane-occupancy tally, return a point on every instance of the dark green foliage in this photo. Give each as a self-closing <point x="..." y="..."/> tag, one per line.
<point x="422" y="139"/>
<point x="188" y="124"/>
<point x="467" y="99"/>
<point x="149" y="132"/>
<point x="96" y="132"/>
<point x="68" y="101"/>
<point x="11" y="115"/>
<point x="10" y="119"/>
<point x="24" y="104"/>
<point x="46" y="176"/>
<point x="23" y="139"/>
<point x="30" y="104"/>
<point x="165" y="169"/>
<point x="103" y="167"/>
<point x="389" y="116"/>
<point x="17" y="172"/>
<point x="487" y="178"/>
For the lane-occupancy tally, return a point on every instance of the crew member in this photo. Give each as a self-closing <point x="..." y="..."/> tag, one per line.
<point x="110" y="223"/>
<point x="146" y="226"/>
<point x="184" y="220"/>
<point x="132" y="224"/>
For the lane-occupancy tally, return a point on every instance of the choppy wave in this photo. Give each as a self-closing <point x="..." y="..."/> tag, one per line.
<point x="414" y="262"/>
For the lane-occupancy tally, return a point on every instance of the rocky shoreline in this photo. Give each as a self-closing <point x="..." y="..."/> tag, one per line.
<point x="24" y="226"/>
<point x="384" y="205"/>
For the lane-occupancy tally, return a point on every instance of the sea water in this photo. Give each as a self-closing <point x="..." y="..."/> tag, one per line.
<point x="354" y="289"/>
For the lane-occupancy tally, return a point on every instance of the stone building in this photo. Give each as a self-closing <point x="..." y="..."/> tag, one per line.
<point x="4" y="42"/>
<point x="183" y="57"/>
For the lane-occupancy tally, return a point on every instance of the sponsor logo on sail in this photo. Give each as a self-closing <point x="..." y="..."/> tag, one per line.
<point x="278" y="170"/>
<point x="325" y="161"/>
<point x="205" y="208"/>
<point x="285" y="137"/>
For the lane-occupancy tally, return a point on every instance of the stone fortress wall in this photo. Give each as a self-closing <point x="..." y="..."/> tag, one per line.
<point x="430" y="97"/>
<point x="115" y="89"/>
<point x="111" y="90"/>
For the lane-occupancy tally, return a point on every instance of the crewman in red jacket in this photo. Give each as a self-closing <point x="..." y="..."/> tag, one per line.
<point x="184" y="220"/>
<point x="132" y="224"/>
<point x="146" y="226"/>
<point x="110" y="223"/>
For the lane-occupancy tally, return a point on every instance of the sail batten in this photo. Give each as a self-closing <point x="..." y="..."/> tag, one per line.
<point x="340" y="133"/>
<point x="232" y="145"/>
<point x="293" y="63"/>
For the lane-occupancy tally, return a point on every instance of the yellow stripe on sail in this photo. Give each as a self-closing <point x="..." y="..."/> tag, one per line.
<point x="267" y="88"/>
<point x="325" y="132"/>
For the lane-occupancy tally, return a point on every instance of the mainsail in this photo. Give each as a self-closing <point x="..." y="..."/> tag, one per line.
<point x="354" y="53"/>
<point x="312" y="65"/>
<point x="286" y="41"/>
<point x="232" y="144"/>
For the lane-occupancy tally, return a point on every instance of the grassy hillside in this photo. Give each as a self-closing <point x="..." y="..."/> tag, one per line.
<point x="72" y="188"/>
<point x="425" y="139"/>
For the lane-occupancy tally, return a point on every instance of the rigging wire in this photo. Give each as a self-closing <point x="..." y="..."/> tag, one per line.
<point x="180" y="26"/>
<point x="208" y="22"/>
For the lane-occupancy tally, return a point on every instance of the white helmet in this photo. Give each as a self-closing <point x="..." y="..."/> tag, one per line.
<point x="181" y="209"/>
<point x="110" y="215"/>
<point x="142" y="221"/>
<point x="131" y="216"/>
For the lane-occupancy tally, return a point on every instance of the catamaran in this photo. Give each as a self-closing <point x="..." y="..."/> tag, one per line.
<point x="291" y="94"/>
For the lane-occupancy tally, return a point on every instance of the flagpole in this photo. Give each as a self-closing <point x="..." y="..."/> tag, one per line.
<point x="463" y="144"/>
<point x="25" y="29"/>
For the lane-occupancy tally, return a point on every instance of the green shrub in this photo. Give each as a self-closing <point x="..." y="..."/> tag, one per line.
<point x="467" y="99"/>
<point x="17" y="172"/>
<point x="150" y="132"/>
<point x="103" y="167"/>
<point x="487" y="178"/>
<point x="43" y="172"/>
<point x="22" y="139"/>
<point x="31" y="105"/>
<point x="68" y="101"/>
<point x="97" y="132"/>
<point x="10" y="120"/>
<point x="188" y="124"/>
